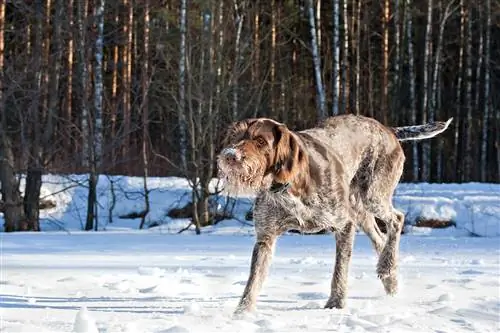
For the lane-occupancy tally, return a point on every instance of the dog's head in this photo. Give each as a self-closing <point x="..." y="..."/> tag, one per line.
<point x="258" y="151"/>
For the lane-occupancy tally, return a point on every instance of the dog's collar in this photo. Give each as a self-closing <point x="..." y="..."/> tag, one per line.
<point x="279" y="187"/>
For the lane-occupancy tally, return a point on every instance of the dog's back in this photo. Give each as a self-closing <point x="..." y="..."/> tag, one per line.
<point x="358" y="143"/>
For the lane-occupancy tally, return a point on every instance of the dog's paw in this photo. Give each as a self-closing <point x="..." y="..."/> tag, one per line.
<point x="243" y="311"/>
<point x="390" y="285"/>
<point x="335" y="303"/>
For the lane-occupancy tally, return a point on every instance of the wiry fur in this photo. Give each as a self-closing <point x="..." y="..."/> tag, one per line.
<point x="342" y="174"/>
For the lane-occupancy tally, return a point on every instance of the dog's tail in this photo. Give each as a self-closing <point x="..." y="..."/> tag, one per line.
<point x="420" y="132"/>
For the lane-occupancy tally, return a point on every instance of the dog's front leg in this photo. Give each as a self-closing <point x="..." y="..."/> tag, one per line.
<point x="261" y="258"/>
<point x="344" y="243"/>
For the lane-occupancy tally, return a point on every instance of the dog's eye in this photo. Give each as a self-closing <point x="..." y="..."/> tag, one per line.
<point x="260" y="141"/>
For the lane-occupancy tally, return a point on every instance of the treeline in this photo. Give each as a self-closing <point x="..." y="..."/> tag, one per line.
<point x="146" y="87"/>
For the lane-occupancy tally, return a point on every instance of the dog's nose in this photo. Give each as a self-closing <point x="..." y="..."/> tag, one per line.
<point x="231" y="155"/>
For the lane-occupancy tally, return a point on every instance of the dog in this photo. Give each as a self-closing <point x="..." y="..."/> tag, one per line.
<point x="338" y="176"/>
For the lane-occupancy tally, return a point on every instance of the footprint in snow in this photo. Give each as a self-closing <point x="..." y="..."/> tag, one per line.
<point x="478" y="262"/>
<point x="239" y="283"/>
<point x="175" y="329"/>
<point x="446" y="297"/>
<point x="148" y="289"/>
<point x="471" y="272"/>
<point x="312" y="295"/>
<point x="151" y="271"/>
<point x="312" y="306"/>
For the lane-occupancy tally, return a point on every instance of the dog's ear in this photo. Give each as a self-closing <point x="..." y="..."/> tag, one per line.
<point x="290" y="158"/>
<point x="236" y="130"/>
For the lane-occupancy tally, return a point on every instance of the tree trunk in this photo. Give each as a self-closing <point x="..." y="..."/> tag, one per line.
<point x="395" y="104"/>
<point x="127" y="85"/>
<point x="69" y="142"/>
<point x="357" y="85"/>
<point x="412" y="74"/>
<point x="145" y="77"/>
<point x="91" y="221"/>
<point x="385" y="61"/>
<point x="83" y="75"/>
<point x="115" y="103"/>
<point x="426" y="149"/>
<point x="35" y="160"/>
<point x="335" y="58"/>
<point x="468" y="121"/>
<point x="239" y="18"/>
<point x="272" y="59"/>
<point x="181" y="115"/>
<point x="486" y="98"/>
<point x="32" y="198"/>
<point x="345" y="60"/>
<point x="98" y="85"/>
<point x="2" y="49"/>
<point x="320" y="91"/>
<point x="95" y="123"/>
<point x="458" y="155"/>
<point x="256" y="58"/>
<point x="13" y="212"/>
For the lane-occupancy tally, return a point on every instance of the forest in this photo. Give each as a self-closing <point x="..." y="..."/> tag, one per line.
<point x="148" y="87"/>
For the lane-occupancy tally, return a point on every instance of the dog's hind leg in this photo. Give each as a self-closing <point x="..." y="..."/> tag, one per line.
<point x="388" y="259"/>
<point x="261" y="259"/>
<point x="378" y="201"/>
<point x="344" y="240"/>
<point x="378" y="239"/>
<point x="370" y="228"/>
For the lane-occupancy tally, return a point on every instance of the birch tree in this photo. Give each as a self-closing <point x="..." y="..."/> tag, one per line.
<point x="181" y="116"/>
<point x="83" y="76"/>
<point x="145" y="79"/>
<point x="320" y="91"/>
<point x="95" y="123"/>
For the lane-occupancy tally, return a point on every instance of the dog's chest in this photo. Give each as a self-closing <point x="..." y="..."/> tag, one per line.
<point x="284" y="211"/>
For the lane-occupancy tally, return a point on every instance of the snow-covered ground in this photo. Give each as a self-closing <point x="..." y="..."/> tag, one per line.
<point x="122" y="279"/>
<point x="473" y="207"/>
<point x="151" y="282"/>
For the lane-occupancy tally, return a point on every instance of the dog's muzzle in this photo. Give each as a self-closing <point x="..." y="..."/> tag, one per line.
<point x="231" y="156"/>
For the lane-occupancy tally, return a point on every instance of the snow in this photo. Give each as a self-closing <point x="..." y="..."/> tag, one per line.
<point x="133" y="281"/>
<point x="122" y="279"/>
<point x="84" y="323"/>
<point x="473" y="207"/>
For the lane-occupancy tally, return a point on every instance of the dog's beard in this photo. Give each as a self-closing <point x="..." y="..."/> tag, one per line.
<point x="244" y="179"/>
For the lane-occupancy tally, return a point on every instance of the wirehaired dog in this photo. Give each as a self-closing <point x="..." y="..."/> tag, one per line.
<point x="339" y="175"/>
